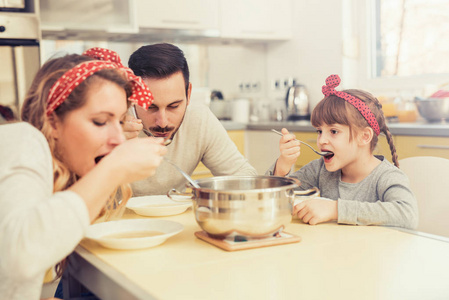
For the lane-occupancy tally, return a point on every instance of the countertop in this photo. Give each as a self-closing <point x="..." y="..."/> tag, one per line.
<point x="413" y="129"/>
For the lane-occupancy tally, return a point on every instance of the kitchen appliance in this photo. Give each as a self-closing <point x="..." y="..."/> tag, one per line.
<point x="249" y="206"/>
<point x="20" y="56"/>
<point x="297" y="102"/>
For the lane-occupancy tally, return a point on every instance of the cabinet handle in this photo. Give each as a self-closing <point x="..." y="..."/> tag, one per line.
<point x="433" y="147"/>
<point x="180" y="22"/>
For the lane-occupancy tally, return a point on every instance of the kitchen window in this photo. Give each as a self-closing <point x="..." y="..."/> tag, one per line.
<point x="400" y="45"/>
<point x="411" y="38"/>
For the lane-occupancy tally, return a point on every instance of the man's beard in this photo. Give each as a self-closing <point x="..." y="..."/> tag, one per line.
<point x="159" y="129"/>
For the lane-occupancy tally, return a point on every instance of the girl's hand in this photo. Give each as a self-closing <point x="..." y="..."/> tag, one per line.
<point x="131" y="127"/>
<point x="316" y="211"/>
<point x="136" y="159"/>
<point x="290" y="151"/>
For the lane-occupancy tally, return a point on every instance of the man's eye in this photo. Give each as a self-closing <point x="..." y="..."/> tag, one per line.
<point x="174" y="106"/>
<point x="319" y="131"/>
<point x="334" y="131"/>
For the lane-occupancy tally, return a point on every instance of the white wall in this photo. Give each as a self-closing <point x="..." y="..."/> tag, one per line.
<point x="316" y="48"/>
<point x="233" y="64"/>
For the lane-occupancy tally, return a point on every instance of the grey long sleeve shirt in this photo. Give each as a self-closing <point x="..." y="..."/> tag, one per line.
<point x="382" y="198"/>
<point x="200" y="138"/>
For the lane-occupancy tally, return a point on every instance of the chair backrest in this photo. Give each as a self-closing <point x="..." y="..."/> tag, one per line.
<point x="429" y="181"/>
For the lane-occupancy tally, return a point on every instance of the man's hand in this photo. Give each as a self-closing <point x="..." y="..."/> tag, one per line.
<point x="316" y="211"/>
<point x="131" y="127"/>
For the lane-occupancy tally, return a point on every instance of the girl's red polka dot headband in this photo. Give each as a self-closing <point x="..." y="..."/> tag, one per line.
<point x="107" y="59"/>
<point x="329" y="89"/>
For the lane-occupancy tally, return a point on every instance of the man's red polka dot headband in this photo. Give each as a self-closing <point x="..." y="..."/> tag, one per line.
<point x="106" y="59"/>
<point x="329" y="89"/>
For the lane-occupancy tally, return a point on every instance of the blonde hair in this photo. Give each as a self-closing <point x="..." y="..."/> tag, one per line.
<point x="34" y="112"/>
<point x="335" y="110"/>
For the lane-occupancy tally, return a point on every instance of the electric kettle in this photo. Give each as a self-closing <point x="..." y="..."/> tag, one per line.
<point x="297" y="102"/>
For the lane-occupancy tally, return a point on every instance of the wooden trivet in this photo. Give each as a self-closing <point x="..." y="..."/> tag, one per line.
<point x="229" y="244"/>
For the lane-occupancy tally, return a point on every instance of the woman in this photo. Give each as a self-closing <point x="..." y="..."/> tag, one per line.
<point x="60" y="174"/>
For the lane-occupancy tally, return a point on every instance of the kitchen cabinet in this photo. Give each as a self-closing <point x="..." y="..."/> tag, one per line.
<point x="87" y="16"/>
<point x="174" y="14"/>
<point x="408" y="146"/>
<point x="262" y="149"/>
<point x="238" y="137"/>
<point x="256" y="19"/>
<point x="383" y="148"/>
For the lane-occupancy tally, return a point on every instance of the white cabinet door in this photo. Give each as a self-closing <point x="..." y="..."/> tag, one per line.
<point x="175" y="14"/>
<point x="88" y="15"/>
<point x="256" y="19"/>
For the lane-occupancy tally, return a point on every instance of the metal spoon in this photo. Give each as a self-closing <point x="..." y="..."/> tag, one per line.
<point x="192" y="182"/>
<point x="147" y="132"/>
<point x="317" y="152"/>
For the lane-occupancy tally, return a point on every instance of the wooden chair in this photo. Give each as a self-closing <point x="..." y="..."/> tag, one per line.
<point x="429" y="181"/>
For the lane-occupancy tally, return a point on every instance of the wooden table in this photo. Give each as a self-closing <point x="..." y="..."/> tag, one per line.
<point x="331" y="262"/>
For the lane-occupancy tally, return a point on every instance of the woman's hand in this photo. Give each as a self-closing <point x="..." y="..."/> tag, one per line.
<point x="290" y="151"/>
<point x="136" y="159"/>
<point x="316" y="211"/>
<point x="131" y="127"/>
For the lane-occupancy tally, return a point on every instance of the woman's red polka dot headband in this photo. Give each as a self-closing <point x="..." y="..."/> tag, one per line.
<point x="106" y="59"/>
<point x="329" y="89"/>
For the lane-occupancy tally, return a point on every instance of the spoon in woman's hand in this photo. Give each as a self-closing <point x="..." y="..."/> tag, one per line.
<point x="146" y="131"/>
<point x="317" y="152"/>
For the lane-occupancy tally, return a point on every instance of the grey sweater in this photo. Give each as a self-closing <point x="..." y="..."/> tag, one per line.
<point x="382" y="198"/>
<point x="200" y="138"/>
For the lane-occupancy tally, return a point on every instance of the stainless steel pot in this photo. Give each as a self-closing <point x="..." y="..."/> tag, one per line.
<point x="251" y="206"/>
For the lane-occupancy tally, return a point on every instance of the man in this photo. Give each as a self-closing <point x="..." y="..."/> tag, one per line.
<point x="196" y="134"/>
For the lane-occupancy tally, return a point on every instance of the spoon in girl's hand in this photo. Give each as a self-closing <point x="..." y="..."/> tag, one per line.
<point x="317" y="152"/>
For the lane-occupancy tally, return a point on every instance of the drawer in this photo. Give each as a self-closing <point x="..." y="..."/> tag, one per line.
<point x="408" y="146"/>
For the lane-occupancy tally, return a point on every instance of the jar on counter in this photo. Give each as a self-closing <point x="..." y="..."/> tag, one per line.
<point x="407" y="111"/>
<point x="389" y="109"/>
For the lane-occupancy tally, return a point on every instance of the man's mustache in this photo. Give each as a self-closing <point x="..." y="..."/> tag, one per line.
<point x="161" y="130"/>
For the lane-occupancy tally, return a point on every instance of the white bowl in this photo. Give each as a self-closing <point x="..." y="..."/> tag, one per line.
<point x="157" y="206"/>
<point x="102" y="233"/>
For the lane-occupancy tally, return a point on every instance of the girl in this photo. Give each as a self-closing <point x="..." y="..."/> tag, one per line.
<point x="60" y="174"/>
<point x="366" y="189"/>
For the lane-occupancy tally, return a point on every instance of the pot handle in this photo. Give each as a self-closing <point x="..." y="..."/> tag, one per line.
<point x="313" y="192"/>
<point x="174" y="195"/>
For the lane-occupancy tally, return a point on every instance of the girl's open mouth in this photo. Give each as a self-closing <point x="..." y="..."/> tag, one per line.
<point x="328" y="157"/>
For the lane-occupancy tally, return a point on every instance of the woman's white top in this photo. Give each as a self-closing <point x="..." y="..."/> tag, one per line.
<point x="38" y="228"/>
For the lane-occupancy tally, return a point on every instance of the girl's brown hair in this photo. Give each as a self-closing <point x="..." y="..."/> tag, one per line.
<point x="34" y="112"/>
<point x="335" y="110"/>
